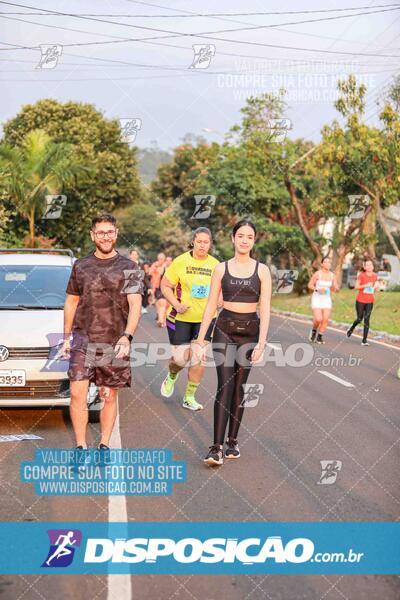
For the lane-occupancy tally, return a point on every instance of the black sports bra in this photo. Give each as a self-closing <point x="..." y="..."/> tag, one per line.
<point x="241" y="289"/>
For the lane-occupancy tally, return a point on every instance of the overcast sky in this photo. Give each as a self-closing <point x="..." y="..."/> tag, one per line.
<point x="159" y="87"/>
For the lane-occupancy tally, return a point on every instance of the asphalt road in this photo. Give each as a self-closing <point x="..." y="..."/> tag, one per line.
<point x="303" y="417"/>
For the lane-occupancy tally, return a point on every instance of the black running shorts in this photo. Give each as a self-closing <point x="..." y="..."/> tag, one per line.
<point x="182" y="332"/>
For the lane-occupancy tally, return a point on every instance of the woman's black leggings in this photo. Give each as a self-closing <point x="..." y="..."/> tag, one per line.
<point x="364" y="310"/>
<point x="234" y="337"/>
<point x="145" y="297"/>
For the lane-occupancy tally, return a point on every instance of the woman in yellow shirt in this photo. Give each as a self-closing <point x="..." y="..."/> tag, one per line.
<point x="186" y="286"/>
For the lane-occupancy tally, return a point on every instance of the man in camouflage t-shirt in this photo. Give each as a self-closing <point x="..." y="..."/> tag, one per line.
<point x="101" y="314"/>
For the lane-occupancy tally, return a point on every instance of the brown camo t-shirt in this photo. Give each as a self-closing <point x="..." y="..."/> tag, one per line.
<point x="103" y="285"/>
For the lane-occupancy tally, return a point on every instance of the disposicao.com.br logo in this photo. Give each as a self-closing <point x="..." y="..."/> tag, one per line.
<point x="253" y="547"/>
<point x="248" y="551"/>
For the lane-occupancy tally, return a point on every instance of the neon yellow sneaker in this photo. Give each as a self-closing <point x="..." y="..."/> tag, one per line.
<point x="191" y="403"/>
<point x="167" y="386"/>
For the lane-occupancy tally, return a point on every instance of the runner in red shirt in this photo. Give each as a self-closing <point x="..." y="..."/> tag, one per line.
<point x="367" y="284"/>
<point x="156" y="273"/>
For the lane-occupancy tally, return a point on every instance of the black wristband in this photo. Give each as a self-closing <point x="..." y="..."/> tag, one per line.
<point x="128" y="335"/>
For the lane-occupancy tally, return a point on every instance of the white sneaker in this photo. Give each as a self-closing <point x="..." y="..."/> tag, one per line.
<point x="191" y="403"/>
<point x="167" y="386"/>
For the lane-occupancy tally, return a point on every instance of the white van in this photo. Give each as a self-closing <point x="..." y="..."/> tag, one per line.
<point x="32" y="295"/>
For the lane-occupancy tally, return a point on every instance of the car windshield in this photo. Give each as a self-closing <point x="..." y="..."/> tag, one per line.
<point x="32" y="286"/>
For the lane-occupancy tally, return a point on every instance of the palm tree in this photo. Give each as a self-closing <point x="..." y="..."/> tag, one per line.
<point x="36" y="168"/>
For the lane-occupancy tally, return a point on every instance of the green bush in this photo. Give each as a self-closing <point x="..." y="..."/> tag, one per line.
<point x="300" y="285"/>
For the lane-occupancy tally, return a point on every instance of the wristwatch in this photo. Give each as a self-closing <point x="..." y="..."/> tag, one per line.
<point x="128" y="335"/>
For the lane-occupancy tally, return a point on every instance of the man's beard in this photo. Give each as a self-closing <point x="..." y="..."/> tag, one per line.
<point x="106" y="250"/>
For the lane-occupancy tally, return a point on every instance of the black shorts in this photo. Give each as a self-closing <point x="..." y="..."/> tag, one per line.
<point x="182" y="332"/>
<point x="99" y="365"/>
<point x="158" y="295"/>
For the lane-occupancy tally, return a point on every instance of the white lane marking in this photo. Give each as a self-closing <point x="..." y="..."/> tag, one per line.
<point x="19" y="437"/>
<point x="274" y="346"/>
<point x="118" y="586"/>
<point x="338" y="379"/>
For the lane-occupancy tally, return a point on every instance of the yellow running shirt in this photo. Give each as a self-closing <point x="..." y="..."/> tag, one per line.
<point x="193" y="277"/>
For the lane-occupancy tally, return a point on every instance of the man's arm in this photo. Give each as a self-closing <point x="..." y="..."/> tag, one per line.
<point x="135" y="305"/>
<point x="70" y="306"/>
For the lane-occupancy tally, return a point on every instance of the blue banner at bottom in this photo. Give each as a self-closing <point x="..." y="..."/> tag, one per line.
<point x="200" y="548"/>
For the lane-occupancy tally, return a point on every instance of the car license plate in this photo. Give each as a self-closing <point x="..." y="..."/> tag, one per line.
<point x="12" y="378"/>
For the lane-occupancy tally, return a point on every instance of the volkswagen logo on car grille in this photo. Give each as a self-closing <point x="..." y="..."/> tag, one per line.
<point x="4" y="353"/>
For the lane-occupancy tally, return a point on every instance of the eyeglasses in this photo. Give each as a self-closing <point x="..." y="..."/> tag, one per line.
<point x="100" y="235"/>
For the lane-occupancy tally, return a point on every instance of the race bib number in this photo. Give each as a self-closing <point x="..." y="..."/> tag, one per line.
<point x="369" y="289"/>
<point x="200" y="290"/>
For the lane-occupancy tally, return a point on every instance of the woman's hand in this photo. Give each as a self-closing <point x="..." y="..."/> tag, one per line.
<point x="181" y="308"/>
<point x="257" y="353"/>
<point x="199" y="349"/>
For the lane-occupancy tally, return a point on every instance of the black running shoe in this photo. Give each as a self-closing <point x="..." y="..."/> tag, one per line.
<point x="312" y="336"/>
<point x="319" y="339"/>
<point x="104" y="454"/>
<point x="232" y="449"/>
<point x="349" y="332"/>
<point x="215" y="455"/>
<point x="81" y="456"/>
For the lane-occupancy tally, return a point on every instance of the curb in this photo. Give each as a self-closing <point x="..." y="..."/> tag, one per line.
<point x="377" y="335"/>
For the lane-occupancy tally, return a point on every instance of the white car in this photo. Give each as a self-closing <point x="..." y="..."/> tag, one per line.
<point x="32" y="295"/>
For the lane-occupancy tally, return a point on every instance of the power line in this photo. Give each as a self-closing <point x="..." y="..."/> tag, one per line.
<point x="188" y="14"/>
<point x="6" y="15"/>
<point x="126" y="65"/>
<point x="204" y="35"/>
<point x="108" y="35"/>
<point x="161" y="44"/>
<point x="238" y="73"/>
<point x="303" y="33"/>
